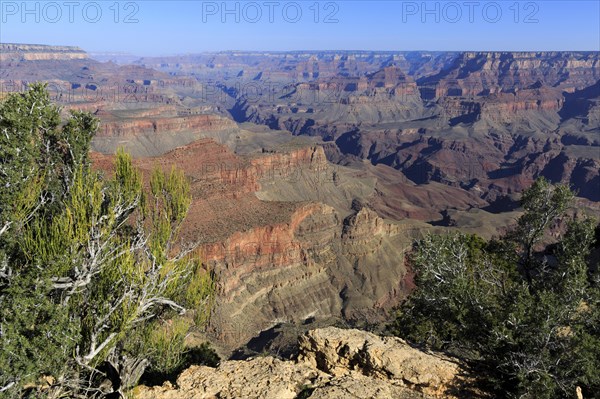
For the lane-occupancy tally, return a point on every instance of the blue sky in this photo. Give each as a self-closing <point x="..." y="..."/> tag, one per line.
<point x="146" y="27"/>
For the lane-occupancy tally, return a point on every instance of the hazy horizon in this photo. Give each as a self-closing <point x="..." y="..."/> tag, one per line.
<point x="324" y="50"/>
<point x="160" y="28"/>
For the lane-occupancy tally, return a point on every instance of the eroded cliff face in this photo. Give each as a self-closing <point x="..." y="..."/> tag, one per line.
<point x="147" y="124"/>
<point x="148" y="132"/>
<point x="313" y="266"/>
<point x="503" y="107"/>
<point x="285" y="164"/>
<point x="273" y="274"/>
<point x="333" y="364"/>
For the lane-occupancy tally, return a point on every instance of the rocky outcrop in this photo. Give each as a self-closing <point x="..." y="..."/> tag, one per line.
<point x="333" y="364"/>
<point x="259" y="378"/>
<point x="339" y="352"/>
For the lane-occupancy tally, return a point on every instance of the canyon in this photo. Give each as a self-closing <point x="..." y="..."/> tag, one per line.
<point x="313" y="172"/>
<point x="279" y="261"/>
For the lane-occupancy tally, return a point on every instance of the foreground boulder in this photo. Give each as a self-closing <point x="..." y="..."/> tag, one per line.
<point x="332" y="364"/>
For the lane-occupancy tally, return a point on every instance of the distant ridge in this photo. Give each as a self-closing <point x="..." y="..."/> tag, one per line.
<point x="24" y="51"/>
<point x="37" y="52"/>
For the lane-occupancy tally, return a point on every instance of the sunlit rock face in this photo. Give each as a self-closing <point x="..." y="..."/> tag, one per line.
<point x="333" y="364"/>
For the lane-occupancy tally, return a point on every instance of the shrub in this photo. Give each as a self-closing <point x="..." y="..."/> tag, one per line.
<point x="88" y="264"/>
<point x="527" y="320"/>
